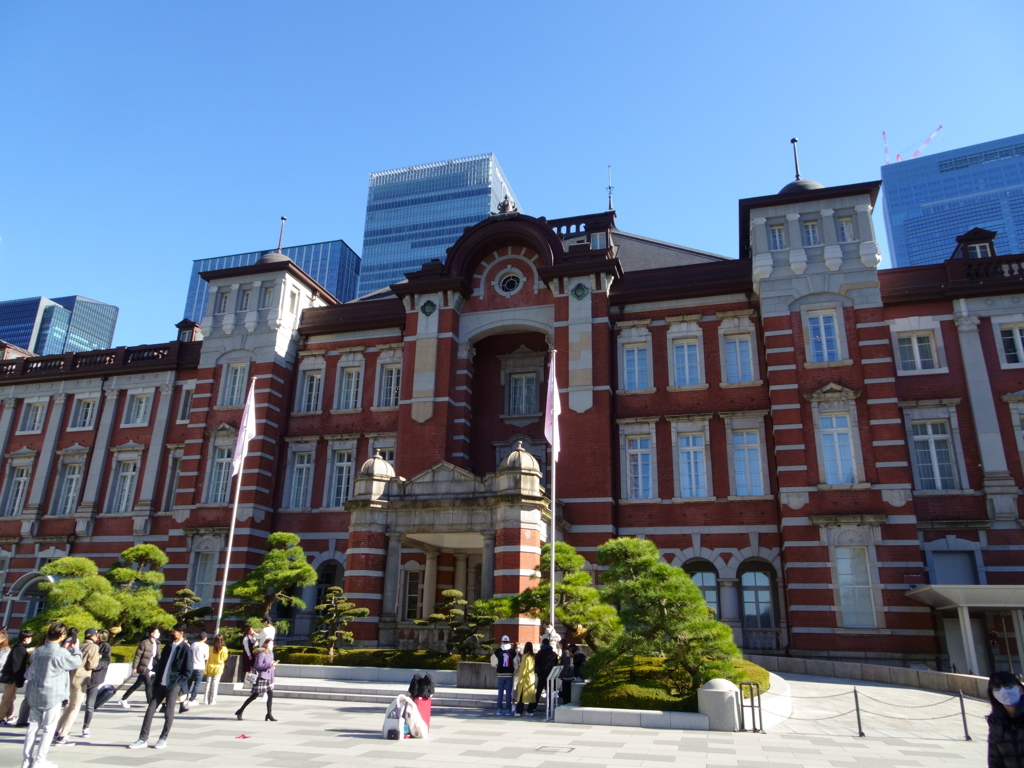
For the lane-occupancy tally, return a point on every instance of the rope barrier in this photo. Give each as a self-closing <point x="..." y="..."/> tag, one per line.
<point x="817" y="718"/>
<point x="908" y="706"/>
<point x="830" y="696"/>
<point x="910" y="719"/>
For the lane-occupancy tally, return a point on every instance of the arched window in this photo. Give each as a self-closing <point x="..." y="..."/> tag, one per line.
<point x="758" y="612"/>
<point x="331" y="574"/>
<point x="706" y="578"/>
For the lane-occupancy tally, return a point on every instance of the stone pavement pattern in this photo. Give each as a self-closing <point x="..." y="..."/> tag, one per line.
<point x="319" y="733"/>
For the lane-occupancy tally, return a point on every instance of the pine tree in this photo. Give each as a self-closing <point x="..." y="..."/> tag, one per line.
<point x="137" y="579"/>
<point x="334" y="615"/>
<point x="186" y="610"/>
<point x="283" y="570"/>
<point x="466" y="628"/>
<point x="80" y="597"/>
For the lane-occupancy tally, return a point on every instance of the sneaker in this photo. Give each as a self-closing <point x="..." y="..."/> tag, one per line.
<point x="530" y="714"/>
<point x="160" y="744"/>
<point x="61" y="741"/>
<point x="500" y="712"/>
<point x="140" y="744"/>
<point x="125" y="704"/>
<point x="85" y="733"/>
<point x="43" y="764"/>
<point x="26" y="763"/>
<point x="517" y="715"/>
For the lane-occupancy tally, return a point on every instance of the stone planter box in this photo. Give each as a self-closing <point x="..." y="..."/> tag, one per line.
<point x="632" y="718"/>
<point x="365" y="674"/>
<point x="476" y="674"/>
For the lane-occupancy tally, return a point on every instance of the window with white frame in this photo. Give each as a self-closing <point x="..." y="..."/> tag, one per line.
<point x="309" y="391"/>
<point x="267" y="297"/>
<point x="293" y="302"/>
<point x="811" y="233"/>
<point x="634" y="364"/>
<point x="638" y="468"/>
<point x="738" y="359"/>
<point x="387" y="452"/>
<point x="692" y="472"/>
<point x="1012" y="339"/>
<point x="837" y="449"/>
<point x="934" y="458"/>
<point x="686" y="360"/>
<point x="136" y="409"/>
<point x="221" y="303"/>
<point x="16" y="489"/>
<point x="777" y="235"/>
<point x="917" y="351"/>
<point x="823" y="335"/>
<point x="707" y="583"/>
<point x="844" y="229"/>
<point x="69" y="483"/>
<point x="173" y="478"/>
<point x="411" y="596"/>
<point x="243" y="300"/>
<point x="522" y="394"/>
<point x="390" y="385"/>
<point x="185" y="407"/>
<point x="32" y="416"/>
<point x="125" y="472"/>
<point x="348" y="390"/>
<point x="854" y="576"/>
<point x="302" y="477"/>
<point x="232" y="389"/>
<point x="756" y="591"/>
<point x="746" y="455"/>
<point x="218" y="489"/>
<point x="83" y="414"/>
<point x="342" y="472"/>
<point x="979" y="251"/>
<point x="204" y="576"/>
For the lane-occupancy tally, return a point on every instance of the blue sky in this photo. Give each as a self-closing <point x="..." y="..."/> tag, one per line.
<point x="136" y="137"/>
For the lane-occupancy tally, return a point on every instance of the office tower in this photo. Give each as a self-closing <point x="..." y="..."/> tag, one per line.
<point x="333" y="265"/>
<point x="413" y="214"/>
<point x="931" y="200"/>
<point x="55" y="326"/>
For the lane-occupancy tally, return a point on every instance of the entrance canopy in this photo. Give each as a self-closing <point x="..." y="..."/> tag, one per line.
<point x="991" y="597"/>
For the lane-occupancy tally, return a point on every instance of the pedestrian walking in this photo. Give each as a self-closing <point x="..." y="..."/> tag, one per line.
<point x="5" y="647"/>
<point x="171" y="673"/>
<point x="504" y="662"/>
<point x="48" y="687"/>
<point x="12" y="675"/>
<point x="200" y="655"/>
<point x="249" y="646"/>
<point x="1006" y="722"/>
<point x="215" y="668"/>
<point x="96" y="679"/>
<point x="264" y="665"/>
<point x="90" y="651"/>
<point x="146" y="655"/>
<point x="546" y="660"/>
<point x="567" y="675"/>
<point x="526" y="684"/>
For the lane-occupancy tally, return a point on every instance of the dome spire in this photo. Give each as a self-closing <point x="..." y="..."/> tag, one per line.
<point x="796" y="162"/>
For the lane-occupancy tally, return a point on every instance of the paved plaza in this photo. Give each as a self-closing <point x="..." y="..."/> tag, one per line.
<point x="348" y="734"/>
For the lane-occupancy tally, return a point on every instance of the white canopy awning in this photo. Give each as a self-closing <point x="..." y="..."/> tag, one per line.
<point x="992" y="597"/>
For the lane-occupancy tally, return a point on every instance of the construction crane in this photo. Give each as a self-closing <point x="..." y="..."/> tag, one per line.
<point x="917" y="152"/>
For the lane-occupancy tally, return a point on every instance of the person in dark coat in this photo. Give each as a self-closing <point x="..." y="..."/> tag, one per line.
<point x="13" y="675"/>
<point x="1006" y="723"/>
<point x="546" y="661"/>
<point x="579" y="658"/>
<point x="146" y="656"/>
<point x="99" y="675"/>
<point x="170" y="676"/>
<point x="567" y="676"/>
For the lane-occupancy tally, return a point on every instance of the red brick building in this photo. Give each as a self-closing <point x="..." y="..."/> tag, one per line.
<point x="833" y="452"/>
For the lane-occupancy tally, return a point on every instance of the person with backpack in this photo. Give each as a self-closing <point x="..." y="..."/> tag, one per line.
<point x="90" y="656"/>
<point x="504" y="662"/>
<point x="13" y="675"/>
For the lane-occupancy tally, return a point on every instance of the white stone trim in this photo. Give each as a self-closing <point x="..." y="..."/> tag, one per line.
<point x="904" y="326"/>
<point x="934" y="410"/>
<point x="685" y="425"/>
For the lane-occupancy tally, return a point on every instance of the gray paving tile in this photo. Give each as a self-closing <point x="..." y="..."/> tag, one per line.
<point x="639" y="756"/>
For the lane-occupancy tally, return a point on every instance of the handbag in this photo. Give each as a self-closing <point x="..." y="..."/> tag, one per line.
<point x="250" y="678"/>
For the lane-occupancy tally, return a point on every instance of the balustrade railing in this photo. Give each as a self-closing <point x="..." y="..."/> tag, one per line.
<point x="767" y="639"/>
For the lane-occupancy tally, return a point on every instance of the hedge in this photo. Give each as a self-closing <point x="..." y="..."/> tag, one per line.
<point x="371" y="657"/>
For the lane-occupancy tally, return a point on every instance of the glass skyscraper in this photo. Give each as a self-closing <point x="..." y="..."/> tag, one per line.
<point x="332" y="264"/>
<point x="931" y="200"/>
<point x="56" y="326"/>
<point x="414" y="214"/>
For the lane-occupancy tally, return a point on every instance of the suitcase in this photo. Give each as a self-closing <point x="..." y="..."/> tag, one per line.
<point x="104" y="694"/>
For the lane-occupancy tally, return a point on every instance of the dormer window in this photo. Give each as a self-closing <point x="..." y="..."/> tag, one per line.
<point x="221" y="305"/>
<point x="778" y="237"/>
<point x="598" y="241"/>
<point x="979" y="251"/>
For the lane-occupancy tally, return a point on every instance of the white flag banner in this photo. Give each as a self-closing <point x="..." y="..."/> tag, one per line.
<point x="246" y="431"/>
<point x="553" y="409"/>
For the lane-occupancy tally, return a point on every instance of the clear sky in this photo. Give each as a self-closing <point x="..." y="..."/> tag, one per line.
<point x="136" y="137"/>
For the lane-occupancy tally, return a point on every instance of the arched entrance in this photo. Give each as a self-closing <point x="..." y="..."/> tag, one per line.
<point x="26" y="589"/>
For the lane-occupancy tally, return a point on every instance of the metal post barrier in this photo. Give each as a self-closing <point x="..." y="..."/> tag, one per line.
<point x="756" y="717"/>
<point x="856" y="704"/>
<point x="552" y="685"/>
<point x="963" y="714"/>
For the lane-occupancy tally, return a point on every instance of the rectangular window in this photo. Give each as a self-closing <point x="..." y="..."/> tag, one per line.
<point x="310" y="395"/>
<point x="824" y="335"/>
<point x="844" y="229"/>
<point x="1013" y="343"/>
<point x="341" y="483"/>
<point x="185" y="410"/>
<point x="411" y="607"/>
<point x="302" y="468"/>
<point x="916" y="352"/>
<point x="692" y="475"/>
<point x="522" y="394"/>
<point x="979" y="251"/>
<point x="598" y="241"/>
<point x="387" y="453"/>
<point x="124" y="486"/>
<point x="687" y="363"/>
<point x="137" y="410"/>
<point x="173" y="476"/>
<point x="233" y="387"/>
<point x="32" y="417"/>
<point x="219" y="488"/>
<point x="243" y="300"/>
<point x="349" y="399"/>
<point x="634" y="358"/>
<point x="204" y="576"/>
<point x="837" y="449"/>
<point x="68" y="483"/>
<point x="390" y="384"/>
<point x="221" y="305"/>
<point x="810" y="233"/>
<point x="746" y="457"/>
<point x="855" y="586"/>
<point x="84" y="414"/>
<point x="934" y="455"/>
<point x="707" y="582"/>
<point x="778" y="237"/>
<point x="17" y="488"/>
<point x="739" y="366"/>
<point x="267" y="297"/>
<point x="638" y="467"/>
<point x="293" y="302"/>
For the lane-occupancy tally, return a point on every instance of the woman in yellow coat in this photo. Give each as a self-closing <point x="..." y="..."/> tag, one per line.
<point x="215" y="668"/>
<point x="526" y="683"/>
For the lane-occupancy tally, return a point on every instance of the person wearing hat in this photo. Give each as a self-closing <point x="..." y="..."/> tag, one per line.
<point x="13" y="675"/>
<point x="79" y="685"/>
<point x="504" y="662"/>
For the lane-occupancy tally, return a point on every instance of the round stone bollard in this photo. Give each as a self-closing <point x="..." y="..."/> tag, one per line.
<point x="719" y="700"/>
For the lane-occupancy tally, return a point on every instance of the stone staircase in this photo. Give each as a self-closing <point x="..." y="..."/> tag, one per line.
<point x="380" y="693"/>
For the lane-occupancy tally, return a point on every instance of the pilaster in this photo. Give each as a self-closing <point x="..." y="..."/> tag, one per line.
<point x="41" y="477"/>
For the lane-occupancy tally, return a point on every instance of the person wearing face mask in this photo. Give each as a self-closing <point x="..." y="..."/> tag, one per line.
<point x="146" y="656"/>
<point x="1006" y="723"/>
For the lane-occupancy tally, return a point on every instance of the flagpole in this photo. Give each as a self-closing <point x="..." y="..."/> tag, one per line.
<point x="554" y="505"/>
<point x="227" y="555"/>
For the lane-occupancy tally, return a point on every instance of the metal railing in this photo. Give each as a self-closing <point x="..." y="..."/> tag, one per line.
<point x="756" y="716"/>
<point x="766" y="639"/>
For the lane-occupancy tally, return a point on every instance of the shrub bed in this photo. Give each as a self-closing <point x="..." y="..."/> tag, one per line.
<point x="371" y="657"/>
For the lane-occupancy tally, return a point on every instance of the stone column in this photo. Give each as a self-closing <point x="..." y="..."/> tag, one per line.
<point x="429" y="585"/>
<point x="968" y="639"/>
<point x="729" y="599"/>
<point x="392" y="568"/>
<point x="833" y="252"/>
<point x="797" y="254"/>
<point x="155" y="454"/>
<point x="46" y="453"/>
<point x="487" y="568"/>
<point x="1000" y="489"/>
<point x="460" y="573"/>
<point x="91" y="493"/>
<point x="228" y="323"/>
<point x="6" y="420"/>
